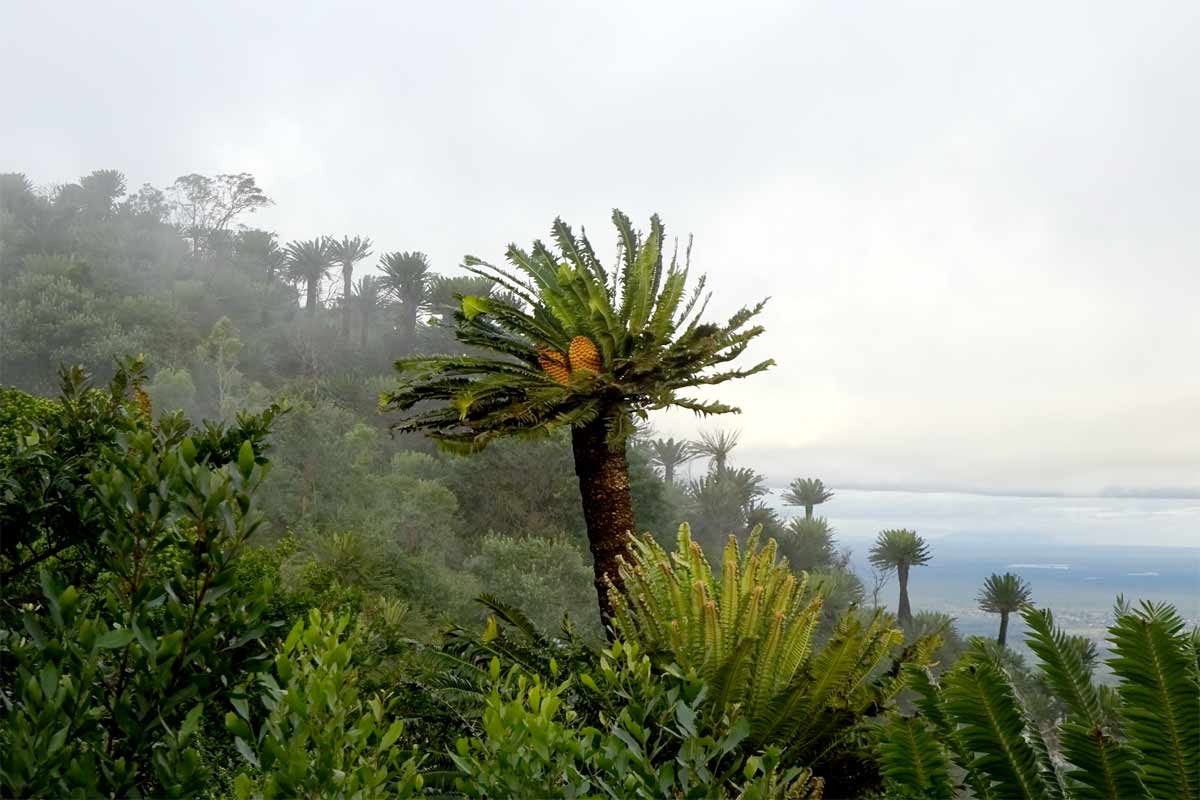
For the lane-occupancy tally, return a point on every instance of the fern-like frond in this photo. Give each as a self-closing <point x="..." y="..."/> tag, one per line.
<point x="913" y="760"/>
<point x="1101" y="765"/>
<point x="1160" y="707"/>
<point x="980" y="698"/>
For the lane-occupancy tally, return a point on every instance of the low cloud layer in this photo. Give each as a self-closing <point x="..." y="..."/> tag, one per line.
<point x="977" y="225"/>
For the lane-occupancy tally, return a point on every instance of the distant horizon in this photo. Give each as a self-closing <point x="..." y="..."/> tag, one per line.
<point x="1116" y="492"/>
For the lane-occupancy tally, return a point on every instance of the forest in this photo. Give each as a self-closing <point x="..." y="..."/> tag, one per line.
<point x="307" y="519"/>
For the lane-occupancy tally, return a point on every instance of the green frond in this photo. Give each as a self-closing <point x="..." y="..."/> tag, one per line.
<point x="931" y="704"/>
<point x="913" y="760"/>
<point x="980" y="698"/>
<point x="1101" y="764"/>
<point x="1153" y="657"/>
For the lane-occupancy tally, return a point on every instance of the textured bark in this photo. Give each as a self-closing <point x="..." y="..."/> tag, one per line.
<point x="904" y="612"/>
<point x="1002" y="639"/>
<point x="607" y="504"/>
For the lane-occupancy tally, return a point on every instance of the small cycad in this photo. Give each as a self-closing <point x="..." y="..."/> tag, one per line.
<point x="748" y="631"/>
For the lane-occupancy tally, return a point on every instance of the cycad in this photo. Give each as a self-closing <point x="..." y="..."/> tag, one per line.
<point x="670" y="454"/>
<point x="407" y="276"/>
<point x="976" y="718"/>
<point x="308" y="262"/>
<point x="748" y="632"/>
<point x="1003" y="595"/>
<point x="808" y="544"/>
<point x="651" y="347"/>
<point x="900" y="549"/>
<point x="347" y="252"/>
<point x="368" y="298"/>
<point x="806" y="492"/>
<point x="717" y="447"/>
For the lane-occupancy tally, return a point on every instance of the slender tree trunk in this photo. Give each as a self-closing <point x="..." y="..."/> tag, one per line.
<point x="904" y="612"/>
<point x="409" y="311"/>
<point x="1002" y="639"/>
<point x="310" y="306"/>
<point x="669" y="472"/>
<point x="607" y="504"/>
<point x="366" y="322"/>
<point x="808" y="507"/>
<point x="347" y="276"/>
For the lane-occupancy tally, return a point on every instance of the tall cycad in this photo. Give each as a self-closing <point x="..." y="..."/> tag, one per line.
<point x="807" y="492"/>
<point x="368" y="298"/>
<point x="1004" y="594"/>
<point x="308" y="262"/>
<point x="670" y="454"/>
<point x="347" y="252"/>
<point x="261" y="249"/>
<point x="588" y="349"/>
<point x="898" y="550"/>
<point x="717" y="447"/>
<point x="407" y="276"/>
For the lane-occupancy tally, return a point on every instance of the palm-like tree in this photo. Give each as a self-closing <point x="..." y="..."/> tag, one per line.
<point x="262" y="249"/>
<point x="406" y="277"/>
<point x="587" y="350"/>
<point x="670" y="454"/>
<point x="346" y="253"/>
<point x="717" y="447"/>
<point x="900" y="549"/>
<point x="309" y="262"/>
<point x="1004" y="594"/>
<point x="807" y="492"/>
<point x="808" y="544"/>
<point x="368" y="297"/>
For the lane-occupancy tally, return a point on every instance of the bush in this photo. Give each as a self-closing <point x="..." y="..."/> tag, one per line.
<point x="318" y="738"/>
<point x="547" y="577"/>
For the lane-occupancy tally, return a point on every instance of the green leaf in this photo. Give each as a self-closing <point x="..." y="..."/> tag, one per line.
<point x="245" y="459"/>
<point x="245" y="750"/>
<point x="111" y="640"/>
<point x="393" y="733"/>
<point x="473" y="306"/>
<point x="188" y="449"/>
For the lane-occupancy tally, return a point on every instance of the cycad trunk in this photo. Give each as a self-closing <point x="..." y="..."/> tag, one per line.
<point x="408" y="323"/>
<point x="310" y="306"/>
<point x="904" y="612"/>
<point x="607" y="504"/>
<point x="668" y="473"/>
<point x="808" y="507"/>
<point x="1002" y="639"/>
<point x="347" y="275"/>
<point x="366" y="323"/>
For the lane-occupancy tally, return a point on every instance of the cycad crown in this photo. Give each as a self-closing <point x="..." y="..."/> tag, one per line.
<point x="644" y="343"/>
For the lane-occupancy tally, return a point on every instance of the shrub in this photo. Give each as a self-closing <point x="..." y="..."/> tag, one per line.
<point x="318" y="738"/>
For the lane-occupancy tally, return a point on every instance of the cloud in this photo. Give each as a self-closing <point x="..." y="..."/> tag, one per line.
<point x="977" y="225"/>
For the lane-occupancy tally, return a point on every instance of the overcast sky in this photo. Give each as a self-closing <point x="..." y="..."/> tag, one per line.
<point x="979" y="223"/>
